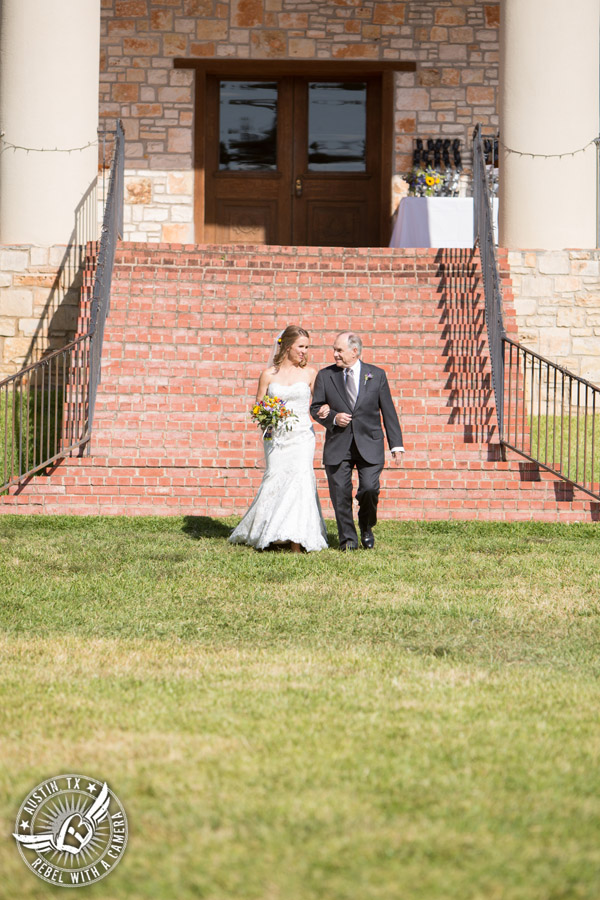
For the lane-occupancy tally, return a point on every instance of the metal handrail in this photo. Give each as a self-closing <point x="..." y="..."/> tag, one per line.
<point x="47" y="408"/>
<point x="483" y="233"/>
<point x="545" y="412"/>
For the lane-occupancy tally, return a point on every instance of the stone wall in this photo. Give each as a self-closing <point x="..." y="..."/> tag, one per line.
<point x="557" y="302"/>
<point x="39" y="302"/>
<point x="453" y="42"/>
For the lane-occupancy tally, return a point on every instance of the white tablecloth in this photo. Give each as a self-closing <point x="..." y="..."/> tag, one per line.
<point x="436" y="222"/>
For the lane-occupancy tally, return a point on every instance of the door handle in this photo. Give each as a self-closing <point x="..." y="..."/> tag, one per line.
<point x="298" y="187"/>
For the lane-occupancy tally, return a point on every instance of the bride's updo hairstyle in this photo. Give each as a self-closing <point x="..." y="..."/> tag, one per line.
<point x="288" y="338"/>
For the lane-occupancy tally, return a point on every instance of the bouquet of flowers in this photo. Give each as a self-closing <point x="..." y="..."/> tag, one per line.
<point x="429" y="182"/>
<point x="270" y="414"/>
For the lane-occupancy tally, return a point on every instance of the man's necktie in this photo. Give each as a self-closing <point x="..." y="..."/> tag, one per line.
<point x="351" y="387"/>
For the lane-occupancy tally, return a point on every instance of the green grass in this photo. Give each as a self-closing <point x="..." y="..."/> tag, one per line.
<point x="416" y="722"/>
<point x="28" y="436"/>
<point x="569" y="440"/>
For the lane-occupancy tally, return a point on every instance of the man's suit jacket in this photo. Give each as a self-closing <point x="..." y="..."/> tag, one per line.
<point x="373" y="401"/>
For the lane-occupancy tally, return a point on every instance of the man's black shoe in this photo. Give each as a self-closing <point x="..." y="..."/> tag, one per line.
<point x="367" y="539"/>
<point x="348" y="545"/>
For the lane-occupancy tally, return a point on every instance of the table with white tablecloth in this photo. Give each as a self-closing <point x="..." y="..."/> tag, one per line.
<point x="436" y="222"/>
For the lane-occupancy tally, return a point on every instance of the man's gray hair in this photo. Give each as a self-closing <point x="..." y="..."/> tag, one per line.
<point x="355" y="340"/>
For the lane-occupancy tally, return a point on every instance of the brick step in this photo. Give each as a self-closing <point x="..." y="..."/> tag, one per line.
<point x="186" y="337"/>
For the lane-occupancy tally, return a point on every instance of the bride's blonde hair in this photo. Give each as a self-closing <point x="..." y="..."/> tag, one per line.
<point x="287" y="339"/>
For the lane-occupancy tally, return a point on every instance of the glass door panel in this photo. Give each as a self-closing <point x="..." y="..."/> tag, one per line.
<point x="337" y="126"/>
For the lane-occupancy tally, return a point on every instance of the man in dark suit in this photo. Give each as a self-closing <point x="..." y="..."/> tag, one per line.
<point x="349" y="399"/>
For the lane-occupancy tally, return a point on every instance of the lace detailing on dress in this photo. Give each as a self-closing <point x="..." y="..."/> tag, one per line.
<point x="286" y="507"/>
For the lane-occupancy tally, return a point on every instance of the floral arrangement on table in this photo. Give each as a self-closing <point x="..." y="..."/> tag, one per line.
<point x="430" y="182"/>
<point x="271" y="414"/>
<point x="437" y="165"/>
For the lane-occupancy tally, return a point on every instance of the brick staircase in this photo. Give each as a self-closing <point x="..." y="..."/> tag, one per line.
<point x="190" y="328"/>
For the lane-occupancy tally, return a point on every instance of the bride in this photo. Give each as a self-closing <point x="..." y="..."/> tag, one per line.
<point x="286" y="509"/>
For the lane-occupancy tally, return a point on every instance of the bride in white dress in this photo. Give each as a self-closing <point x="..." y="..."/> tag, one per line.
<point x="286" y="509"/>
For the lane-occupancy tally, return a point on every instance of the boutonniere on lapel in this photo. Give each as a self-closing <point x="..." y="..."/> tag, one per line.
<point x="368" y="377"/>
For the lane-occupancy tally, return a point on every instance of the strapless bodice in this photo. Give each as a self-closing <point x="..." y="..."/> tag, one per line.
<point x="296" y="396"/>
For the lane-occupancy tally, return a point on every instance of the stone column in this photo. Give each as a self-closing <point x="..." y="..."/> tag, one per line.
<point x="549" y="105"/>
<point x="49" y="74"/>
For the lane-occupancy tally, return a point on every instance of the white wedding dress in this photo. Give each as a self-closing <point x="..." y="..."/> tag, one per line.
<point x="286" y="507"/>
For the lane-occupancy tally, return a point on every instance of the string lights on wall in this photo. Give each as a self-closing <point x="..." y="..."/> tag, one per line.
<point x="7" y="145"/>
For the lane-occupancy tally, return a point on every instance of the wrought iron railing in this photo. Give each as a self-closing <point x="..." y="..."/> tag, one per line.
<point x="483" y="232"/>
<point x="47" y="409"/>
<point x="545" y="413"/>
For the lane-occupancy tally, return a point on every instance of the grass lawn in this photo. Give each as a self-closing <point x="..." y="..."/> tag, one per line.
<point x="417" y="722"/>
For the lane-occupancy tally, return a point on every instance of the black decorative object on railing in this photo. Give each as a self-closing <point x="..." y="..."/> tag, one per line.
<point x="47" y="409"/>
<point x="545" y="413"/>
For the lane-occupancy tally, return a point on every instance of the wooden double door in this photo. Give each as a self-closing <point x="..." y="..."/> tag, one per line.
<point x="293" y="160"/>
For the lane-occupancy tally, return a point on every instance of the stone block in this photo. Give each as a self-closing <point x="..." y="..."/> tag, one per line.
<point x="478" y="95"/>
<point x="525" y="306"/>
<point x="175" y="94"/>
<point x="16" y="303"/>
<point x="201" y="50"/>
<point x="14" y="260"/>
<point x="247" y="13"/>
<point x="389" y="13"/>
<point x="407" y="125"/>
<point x="302" y="47"/>
<point x="554" y="342"/>
<point x="181" y="213"/>
<point x="5" y="279"/>
<point x="586" y="346"/>
<point x="536" y="286"/>
<point x="429" y="77"/>
<point x="39" y="256"/>
<point x="438" y="35"/>
<point x="571" y="317"/>
<point x="179" y="140"/>
<point x="554" y="263"/>
<point x="289" y="20"/>
<point x="198" y="8"/>
<point x="7" y="328"/>
<point x="176" y="45"/>
<point x="356" y="51"/>
<point x="567" y="283"/>
<point x="180" y="183"/>
<point x="461" y="35"/>
<point x="211" y="30"/>
<point x="57" y="255"/>
<point x="161" y="20"/>
<point x="138" y="190"/>
<point x="35" y="279"/>
<point x="492" y="16"/>
<point x="155" y="214"/>
<point x="141" y="46"/>
<point x="452" y="52"/>
<point x="450" y="76"/>
<point x="125" y="93"/>
<point x="28" y="327"/>
<point x="589" y="301"/>
<point x="16" y="349"/>
<point x="471" y="76"/>
<point x="450" y="16"/>
<point x="588" y="267"/>
<point x="176" y="234"/>
<point x="124" y="8"/>
<point x="412" y="99"/>
<point x="147" y="110"/>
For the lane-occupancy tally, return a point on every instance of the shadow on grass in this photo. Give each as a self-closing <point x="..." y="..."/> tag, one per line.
<point x="198" y="527"/>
